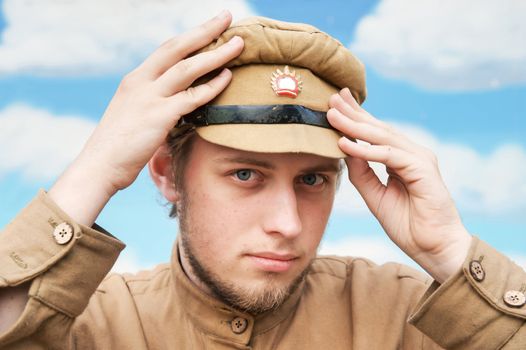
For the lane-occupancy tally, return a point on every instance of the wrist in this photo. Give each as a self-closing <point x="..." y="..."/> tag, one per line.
<point x="81" y="192"/>
<point x="444" y="264"/>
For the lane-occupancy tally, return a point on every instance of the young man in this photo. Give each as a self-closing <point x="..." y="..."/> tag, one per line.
<point x="252" y="176"/>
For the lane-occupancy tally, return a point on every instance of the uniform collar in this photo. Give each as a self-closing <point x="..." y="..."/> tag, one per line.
<point x="218" y="319"/>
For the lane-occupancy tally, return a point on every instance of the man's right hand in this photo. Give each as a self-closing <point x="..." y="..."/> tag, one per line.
<point x="148" y="103"/>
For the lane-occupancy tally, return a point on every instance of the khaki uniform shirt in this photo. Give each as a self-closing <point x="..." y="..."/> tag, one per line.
<point x="344" y="303"/>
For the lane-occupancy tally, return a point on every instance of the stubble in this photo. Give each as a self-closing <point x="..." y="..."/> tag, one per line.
<point x="251" y="300"/>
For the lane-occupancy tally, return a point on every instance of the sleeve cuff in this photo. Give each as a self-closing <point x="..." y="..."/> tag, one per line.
<point x="473" y="308"/>
<point x="43" y="236"/>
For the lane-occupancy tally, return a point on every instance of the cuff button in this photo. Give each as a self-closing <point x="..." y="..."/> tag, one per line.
<point x="63" y="233"/>
<point x="514" y="298"/>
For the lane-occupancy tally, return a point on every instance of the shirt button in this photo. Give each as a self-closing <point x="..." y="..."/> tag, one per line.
<point x="63" y="233"/>
<point x="239" y="325"/>
<point x="514" y="298"/>
<point x="476" y="270"/>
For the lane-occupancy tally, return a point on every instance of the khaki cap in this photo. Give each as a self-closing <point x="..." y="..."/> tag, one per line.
<point x="290" y="70"/>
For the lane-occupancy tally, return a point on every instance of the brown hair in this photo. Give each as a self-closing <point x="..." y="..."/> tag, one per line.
<point x="180" y="146"/>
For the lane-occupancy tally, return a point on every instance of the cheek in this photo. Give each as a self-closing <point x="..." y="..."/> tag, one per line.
<point x="314" y="216"/>
<point x="220" y="223"/>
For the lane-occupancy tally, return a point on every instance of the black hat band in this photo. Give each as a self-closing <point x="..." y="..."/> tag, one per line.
<point x="256" y="114"/>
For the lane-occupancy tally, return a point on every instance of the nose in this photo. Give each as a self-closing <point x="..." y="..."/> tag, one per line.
<point x="282" y="215"/>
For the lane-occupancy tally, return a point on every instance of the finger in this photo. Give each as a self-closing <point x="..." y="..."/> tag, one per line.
<point x="349" y="98"/>
<point x="345" y="93"/>
<point x="366" y="182"/>
<point x="188" y="100"/>
<point x="184" y="73"/>
<point x="177" y="48"/>
<point x="356" y="113"/>
<point x="336" y="101"/>
<point x="391" y="157"/>
<point x="366" y="132"/>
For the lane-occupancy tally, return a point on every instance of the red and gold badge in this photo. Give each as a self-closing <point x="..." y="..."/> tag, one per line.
<point x="286" y="83"/>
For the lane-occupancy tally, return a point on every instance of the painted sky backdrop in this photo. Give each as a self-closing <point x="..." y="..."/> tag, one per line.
<point x="449" y="73"/>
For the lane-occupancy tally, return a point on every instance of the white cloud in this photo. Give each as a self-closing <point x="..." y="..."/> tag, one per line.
<point x="37" y="143"/>
<point x="490" y="184"/>
<point x="519" y="260"/>
<point x="76" y="37"/>
<point x="381" y="250"/>
<point x="128" y="262"/>
<point x="446" y="44"/>
<point x="378" y="249"/>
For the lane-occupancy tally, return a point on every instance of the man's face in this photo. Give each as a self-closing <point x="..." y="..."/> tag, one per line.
<point x="251" y="222"/>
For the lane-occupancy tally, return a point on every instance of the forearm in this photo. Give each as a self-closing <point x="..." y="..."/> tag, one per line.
<point x="43" y="278"/>
<point x="471" y="310"/>
<point x="82" y="194"/>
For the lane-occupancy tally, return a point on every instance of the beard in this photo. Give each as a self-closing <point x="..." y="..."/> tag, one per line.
<point x="254" y="300"/>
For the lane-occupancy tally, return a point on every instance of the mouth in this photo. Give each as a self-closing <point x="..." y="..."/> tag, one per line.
<point x="273" y="262"/>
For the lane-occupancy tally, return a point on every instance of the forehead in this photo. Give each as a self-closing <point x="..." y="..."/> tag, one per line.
<point x="204" y="151"/>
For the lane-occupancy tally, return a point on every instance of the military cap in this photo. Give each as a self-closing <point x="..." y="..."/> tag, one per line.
<point x="281" y="84"/>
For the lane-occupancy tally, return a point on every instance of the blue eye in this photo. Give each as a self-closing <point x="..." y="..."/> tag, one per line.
<point x="243" y="174"/>
<point x="312" y="179"/>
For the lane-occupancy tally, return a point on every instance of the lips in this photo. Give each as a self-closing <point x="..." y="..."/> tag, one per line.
<point x="273" y="262"/>
<point x="275" y="256"/>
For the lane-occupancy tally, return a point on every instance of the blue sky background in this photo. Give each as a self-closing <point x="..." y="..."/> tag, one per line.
<point x="434" y="69"/>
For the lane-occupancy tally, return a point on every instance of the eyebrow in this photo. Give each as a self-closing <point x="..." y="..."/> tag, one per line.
<point x="248" y="161"/>
<point x="329" y="167"/>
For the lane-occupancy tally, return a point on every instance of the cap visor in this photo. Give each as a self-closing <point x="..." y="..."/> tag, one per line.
<point x="275" y="138"/>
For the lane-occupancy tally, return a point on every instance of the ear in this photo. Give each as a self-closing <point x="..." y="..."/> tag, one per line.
<point x="160" y="168"/>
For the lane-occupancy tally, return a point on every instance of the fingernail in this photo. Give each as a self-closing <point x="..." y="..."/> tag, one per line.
<point x="224" y="72"/>
<point x="223" y="14"/>
<point x="235" y="39"/>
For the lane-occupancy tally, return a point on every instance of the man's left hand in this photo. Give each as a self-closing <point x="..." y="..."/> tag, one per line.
<point x="414" y="207"/>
